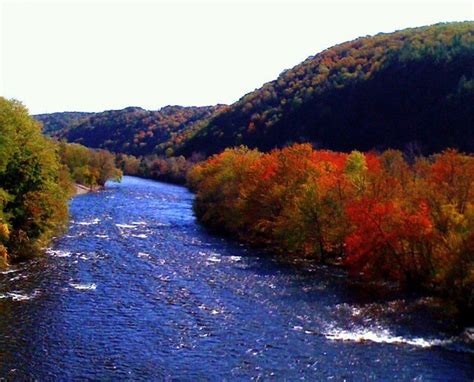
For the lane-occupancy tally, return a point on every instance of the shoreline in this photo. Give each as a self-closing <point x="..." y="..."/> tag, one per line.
<point x="81" y="189"/>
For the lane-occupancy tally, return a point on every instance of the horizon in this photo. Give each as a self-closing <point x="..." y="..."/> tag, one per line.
<point x="118" y="69"/>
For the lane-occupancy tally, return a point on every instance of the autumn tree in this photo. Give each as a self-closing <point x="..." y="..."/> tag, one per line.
<point x="387" y="219"/>
<point x="33" y="186"/>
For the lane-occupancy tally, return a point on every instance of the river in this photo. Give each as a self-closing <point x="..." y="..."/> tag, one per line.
<point x="136" y="289"/>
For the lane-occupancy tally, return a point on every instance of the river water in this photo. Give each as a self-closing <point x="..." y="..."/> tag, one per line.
<point x="136" y="289"/>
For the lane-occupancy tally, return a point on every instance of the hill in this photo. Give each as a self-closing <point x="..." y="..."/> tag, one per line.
<point x="412" y="89"/>
<point x="54" y="123"/>
<point x="132" y="130"/>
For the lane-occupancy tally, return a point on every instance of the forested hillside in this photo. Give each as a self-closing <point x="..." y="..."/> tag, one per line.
<point x="412" y="90"/>
<point x="132" y="130"/>
<point x="58" y="123"/>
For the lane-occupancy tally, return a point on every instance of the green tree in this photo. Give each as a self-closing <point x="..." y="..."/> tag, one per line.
<point x="33" y="187"/>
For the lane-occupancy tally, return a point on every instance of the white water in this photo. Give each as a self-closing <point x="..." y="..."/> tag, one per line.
<point x="87" y="286"/>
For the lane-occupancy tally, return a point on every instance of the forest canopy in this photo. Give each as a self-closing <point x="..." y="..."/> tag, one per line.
<point x="411" y="90"/>
<point x="132" y="130"/>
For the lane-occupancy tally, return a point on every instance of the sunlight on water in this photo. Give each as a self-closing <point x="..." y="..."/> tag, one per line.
<point x="19" y="296"/>
<point x="383" y="336"/>
<point x="87" y="286"/>
<point x="140" y="236"/>
<point x="57" y="253"/>
<point x="92" y="222"/>
<point x="125" y="226"/>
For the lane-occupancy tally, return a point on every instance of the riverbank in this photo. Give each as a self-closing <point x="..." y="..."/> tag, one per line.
<point x="81" y="189"/>
<point x="137" y="289"/>
<point x="386" y="220"/>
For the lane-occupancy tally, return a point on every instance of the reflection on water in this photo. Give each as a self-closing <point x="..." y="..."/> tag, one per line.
<point x="137" y="290"/>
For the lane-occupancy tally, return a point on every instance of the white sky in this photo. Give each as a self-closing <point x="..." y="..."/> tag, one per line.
<point x="97" y="55"/>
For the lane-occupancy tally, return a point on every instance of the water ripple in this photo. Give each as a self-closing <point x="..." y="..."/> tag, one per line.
<point x="137" y="290"/>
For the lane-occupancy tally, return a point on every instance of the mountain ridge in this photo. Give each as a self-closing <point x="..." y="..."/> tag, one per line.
<point x="132" y="130"/>
<point x="334" y="98"/>
<point x="411" y="89"/>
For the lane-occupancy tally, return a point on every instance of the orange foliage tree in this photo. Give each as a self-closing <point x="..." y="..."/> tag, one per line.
<point x="385" y="218"/>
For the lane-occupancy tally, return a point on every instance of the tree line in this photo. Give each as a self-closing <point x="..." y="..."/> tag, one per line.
<point x="383" y="216"/>
<point x="37" y="178"/>
<point x="173" y="169"/>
